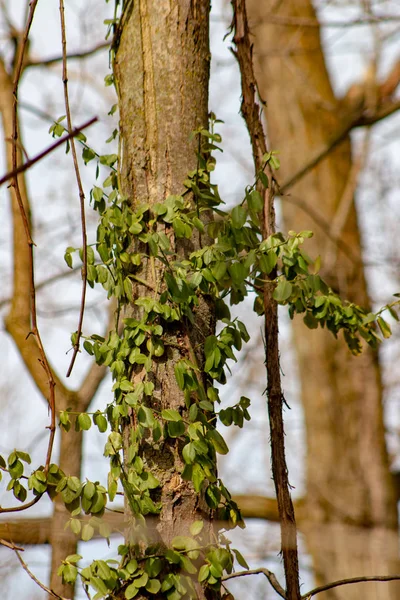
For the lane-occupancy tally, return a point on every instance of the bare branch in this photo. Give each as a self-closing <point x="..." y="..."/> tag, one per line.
<point x="80" y="188"/>
<point x="46" y="62"/>
<point x="34" y="578"/>
<point x="10" y="545"/>
<point x="289" y="21"/>
<point x="340" y="582"/>
<point x="36" y="530"/>
<point x="29" y="163"/>
<point x="268" y="574"/>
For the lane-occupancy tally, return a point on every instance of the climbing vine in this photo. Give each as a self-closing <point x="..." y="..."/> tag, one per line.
<point x="231" y="262"/>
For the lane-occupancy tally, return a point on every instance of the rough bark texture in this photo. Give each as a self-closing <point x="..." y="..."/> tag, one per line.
<point x="351" y="517"/>
<point x="162" y="72"/>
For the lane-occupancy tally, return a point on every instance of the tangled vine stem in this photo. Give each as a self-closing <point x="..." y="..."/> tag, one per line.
<point x="251" y="114"/>
<point x="80" y="188"/>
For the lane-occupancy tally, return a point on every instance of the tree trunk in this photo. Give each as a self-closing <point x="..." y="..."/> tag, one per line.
<point x="351" y="516"/>
<point x="162" y="73"/>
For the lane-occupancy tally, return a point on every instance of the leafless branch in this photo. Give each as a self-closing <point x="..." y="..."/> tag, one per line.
<point x="46" y="62"/>
<point x="10" y="545"/>
<point x="340" y="582"/>
<point x="29" y="163"/>
<point x="288" y="21"/>
<point x="34" y="578"/>
<point x="20" y="52"/>
<point x="268" y="574"/>
<point x="80" y="188"/>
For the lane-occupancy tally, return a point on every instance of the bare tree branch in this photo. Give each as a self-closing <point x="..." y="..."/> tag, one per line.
<point x="46" y="62"/>
<point x="29" y="163"/>
<point x="78" y="334"/>
<point x="268" y="574"/>
<point x="288" y="21"/>
<point x="340" y="582"/>
<point x="34" y="578"/>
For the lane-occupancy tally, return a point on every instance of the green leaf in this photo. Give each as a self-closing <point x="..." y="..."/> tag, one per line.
<point x="217" y="441"/>
<point x="141" y="581"/>
<point x="255" y="201"/>
<point x="176" y="428"/>
<point x="153" y="586"/>
<point x="87" y="532"/>
<point x="171" y="415"/>
<point x="240" y="559"/>
<point x="75" y="525"/>
<point x="131" y="591"/>
<point x="384" y="327"/>
<point x="189" y="453"/>
<point x="204" y="572"/>
<point x="239" y="216"/>
<point x="268" y="261"/>
<point x="101" y="422"/>
<point x="196" y="527"/>
<point x="84" y="422"/>
<point x="282" y="291"/>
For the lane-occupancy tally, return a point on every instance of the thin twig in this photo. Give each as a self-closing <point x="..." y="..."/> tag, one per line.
<point x="80" y="188"/>
<point x="289" y="21"/>
<point x="45" y="62"/>
<point x="268" y="574"/>
<point x="34" y="578"/>
<point x="10" y="545"/>
<point x="20" y="51"/>
<point x="340" y="582"/>
<point x="29" y="163"/>
<point x="251" y="114"/>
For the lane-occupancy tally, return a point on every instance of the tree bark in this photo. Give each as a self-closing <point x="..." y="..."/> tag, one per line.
<point x="162" y="74"/>
<point x="350" y="513"/>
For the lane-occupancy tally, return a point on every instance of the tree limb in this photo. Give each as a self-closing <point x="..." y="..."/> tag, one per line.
<point x="46" y="62"/>
<point x="268" y="574"/>
<point x="29" y="163"/>
<point x="340" y="582"/>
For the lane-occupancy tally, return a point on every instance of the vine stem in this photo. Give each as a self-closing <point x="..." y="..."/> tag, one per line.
<point x="80" y="188"/>
<point x="251" y="114"/>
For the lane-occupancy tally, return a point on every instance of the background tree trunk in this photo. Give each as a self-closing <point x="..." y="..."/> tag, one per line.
<point x="350" y="513"/>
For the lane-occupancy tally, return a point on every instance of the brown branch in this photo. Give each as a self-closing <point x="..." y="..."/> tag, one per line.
<point x="323" y="224"/>
<point x="268" y="574"/>
<point x="10" y="545"/>
<point x="16" y="156"/>
<point x="34" y="578"/>
<point x="317" y="158"/>
<point x="29" y="163"/>
<point x="80" y="188"/>
<point x="45" y="62"/>
<point x="391" y="83"/>
<point x="36" y="530"/>
<point x="340" y="582"/>
<point x="251" y="114"/>
<point x="288" y="21"/>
